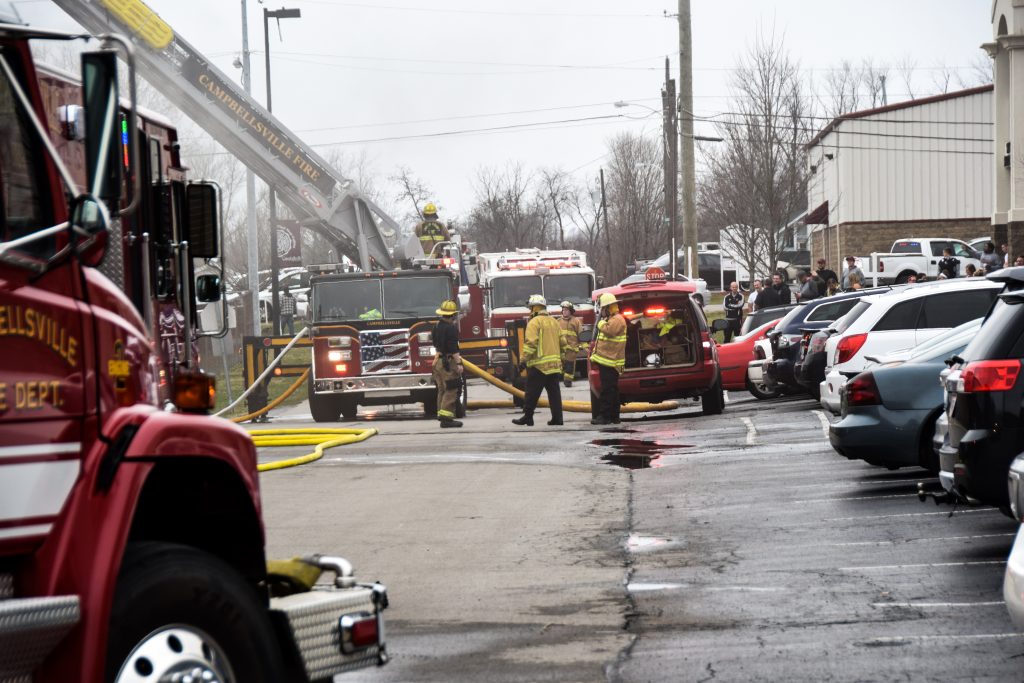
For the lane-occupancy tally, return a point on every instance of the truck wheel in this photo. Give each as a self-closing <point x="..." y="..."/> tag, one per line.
<point x="712" y="402"/>
<point x="462" y="404"/>
<point x="322" y="408"/>
<point x="349" y="408"/>
<point x="760" y="391"/>
<point x="178" y="610"/>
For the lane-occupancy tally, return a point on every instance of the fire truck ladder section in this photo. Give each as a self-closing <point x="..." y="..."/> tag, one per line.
<point x="320" y="197"/>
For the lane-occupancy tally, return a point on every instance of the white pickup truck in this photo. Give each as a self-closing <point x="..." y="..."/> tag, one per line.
<point x="918" y="255"/>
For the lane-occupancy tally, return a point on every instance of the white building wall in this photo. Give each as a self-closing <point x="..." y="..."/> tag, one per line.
<point x="931" y="161"/>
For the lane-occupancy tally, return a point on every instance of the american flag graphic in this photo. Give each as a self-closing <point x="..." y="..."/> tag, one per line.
<point x="384" y="351"/>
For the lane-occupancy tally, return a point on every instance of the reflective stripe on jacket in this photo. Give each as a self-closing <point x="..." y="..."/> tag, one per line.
<point x="544" y="343"/>
<point x="610" y="349"/>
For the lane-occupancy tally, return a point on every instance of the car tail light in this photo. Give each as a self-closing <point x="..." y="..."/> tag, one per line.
<point x="990" y="375"/>
<point x="881" y="266"/>
<point x="849" y="346"/>
<point x="862" y="391"/>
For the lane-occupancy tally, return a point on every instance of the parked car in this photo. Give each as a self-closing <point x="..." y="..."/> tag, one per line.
<point x="1013" y="582"/>
<point x="810" y="368"/>
<point x="985" y="400"/>
<point x="760" y="317"/>
<point x="919" y="255"/>
<point x="790" y="332"/>
<point x="901" y="319"/>
<point x="889" y="411"/>
<point x="682" y="363"/>
<point x="734" y="357"/>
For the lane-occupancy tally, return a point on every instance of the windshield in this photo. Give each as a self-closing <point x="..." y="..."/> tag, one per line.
<point x="416" y="297"/>
<point x="347" y="300"/>
<point x="575" y="288"/>
<point x="513" y="291"/>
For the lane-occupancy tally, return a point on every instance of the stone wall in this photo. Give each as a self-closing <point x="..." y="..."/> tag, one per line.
<point x="860" y="239"/>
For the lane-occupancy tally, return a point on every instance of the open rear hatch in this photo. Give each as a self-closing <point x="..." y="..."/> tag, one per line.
<point x="662" y="331"/>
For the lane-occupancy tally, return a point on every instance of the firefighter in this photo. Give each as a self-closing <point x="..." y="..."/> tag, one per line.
<point x="542" y="357"/>
<point x="430" y="231"/>
<point x="571" y="326"/>
<point x="447" y="368"/>
<point x="609" y="356"/>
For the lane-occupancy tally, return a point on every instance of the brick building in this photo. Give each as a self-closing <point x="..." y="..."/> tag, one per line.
<point x="920" y="168"/>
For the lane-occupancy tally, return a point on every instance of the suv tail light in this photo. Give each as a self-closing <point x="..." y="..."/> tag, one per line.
<point x="862" y="391"/>
<point x="990" y="375"/>
<point x="849" y="346"/>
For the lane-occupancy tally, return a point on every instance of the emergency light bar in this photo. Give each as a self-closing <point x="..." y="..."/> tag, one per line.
<point x="325" y="268"/>
<point x="533" y="264"/>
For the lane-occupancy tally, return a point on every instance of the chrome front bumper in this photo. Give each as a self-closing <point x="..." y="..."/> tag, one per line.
<point x="403" y="383"/>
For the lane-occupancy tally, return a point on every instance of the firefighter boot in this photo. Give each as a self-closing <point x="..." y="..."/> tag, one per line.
<point x="525" y="420"/>
<point x="447" y="423"/>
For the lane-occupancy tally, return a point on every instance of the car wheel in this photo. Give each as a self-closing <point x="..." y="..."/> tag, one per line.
<point x="712" y="402"/>
<point x="180" y="610"/>
<point x="760" y="391"/>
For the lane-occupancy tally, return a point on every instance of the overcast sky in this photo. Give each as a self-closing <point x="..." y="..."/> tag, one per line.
<point x="390" y="79"/>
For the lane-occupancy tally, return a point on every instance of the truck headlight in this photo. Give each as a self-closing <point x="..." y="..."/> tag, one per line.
<point x="339" y="342"/>
<point x="426" y="351"/>
<point x="423" y="337"/>
<point x="335" y="356"/>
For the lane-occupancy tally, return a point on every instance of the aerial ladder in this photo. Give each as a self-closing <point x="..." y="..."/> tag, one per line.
<point x="320" y="198"/>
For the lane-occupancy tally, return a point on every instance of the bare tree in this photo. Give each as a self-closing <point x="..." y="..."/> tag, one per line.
<point x="842" y="90"/>
<point x="555" y="186"/>
<point x="979" y="72"/>
<point x="412" y="193"/>
<point x="906" y="67"/>
<point x="756" y="179"/>
<point x="635" y="198"/>
<point x="873" y="77"/>
<point x="504" y="216"/>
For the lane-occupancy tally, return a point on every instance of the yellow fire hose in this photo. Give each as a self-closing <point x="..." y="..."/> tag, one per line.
<point x="277" y="401"/>
<point x="322" y="439"/>
<point x="568" y="406"/>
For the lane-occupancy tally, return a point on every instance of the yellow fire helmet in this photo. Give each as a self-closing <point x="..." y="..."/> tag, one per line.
<point x="607" y="299"/>
<point x="536" y="300"/>
<point x="448" y="308"/>
<point x="430" y="209"/>
<point x="567" y="304"/>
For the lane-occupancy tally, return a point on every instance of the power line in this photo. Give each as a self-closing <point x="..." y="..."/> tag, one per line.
<point x="420" y="60"/>
<point x="437" y="10"/>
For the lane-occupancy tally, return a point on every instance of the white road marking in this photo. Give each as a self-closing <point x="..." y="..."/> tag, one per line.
<point x="914" y="540"/>
<point x="836" y="500"/>
<point x="640" y="587"/>
<point x="939" y="605"/>
<point x="637" y="587"/>
<point x="751" y="430"/>
<point x="897" y="640"/>
<point x="912" y="514"/>
<point x="884" y="482"/>
<point x="824" y="421"/>
<point x="888" y="567"/>
<point x="725" y="395"/>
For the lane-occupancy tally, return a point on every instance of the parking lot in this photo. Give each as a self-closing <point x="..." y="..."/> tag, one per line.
<point x="741" y="547"/>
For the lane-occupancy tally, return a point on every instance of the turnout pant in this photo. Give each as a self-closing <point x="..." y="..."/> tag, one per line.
<point x="448" y="384"/>
<point x="537" y="381"/>
<point x="606" y="404"/>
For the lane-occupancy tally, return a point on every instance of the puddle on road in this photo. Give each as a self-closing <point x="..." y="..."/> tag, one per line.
<point x="636" y="454"/>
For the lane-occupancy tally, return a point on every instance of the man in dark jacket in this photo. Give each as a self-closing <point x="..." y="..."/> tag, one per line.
<point x="733" y="303"/>
<point x="825" y="274"/>
<point x="777" y="294"/>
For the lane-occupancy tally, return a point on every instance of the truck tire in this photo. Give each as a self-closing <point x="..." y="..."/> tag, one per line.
<point x="712" y="402"/>
<point x="349" y="408"/>
<point x="323" y="408"/>
<point x="177" y="609"/>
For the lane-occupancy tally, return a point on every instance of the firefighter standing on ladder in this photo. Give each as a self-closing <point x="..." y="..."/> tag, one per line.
<point x="543" y="346"/>
<point x="447" y="368"/>
<point x="570" y="326"/>
<point x="430" y="231"/>
<point x="610" y="357"/>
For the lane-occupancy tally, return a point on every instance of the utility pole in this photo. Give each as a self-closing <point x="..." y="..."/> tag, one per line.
<point x="686" y="131"/>
<point x="252" y="232"/>
<point x="670" y="158"/>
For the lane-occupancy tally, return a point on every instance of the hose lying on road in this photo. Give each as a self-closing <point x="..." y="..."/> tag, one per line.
<point x="568" y="406"/>
<point x="321" y="438"/>
<point x="276" y="402"/>
<point x="264" y="374"/>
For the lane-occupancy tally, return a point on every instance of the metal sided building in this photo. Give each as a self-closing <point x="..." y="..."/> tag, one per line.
<point x="1007" y="161"/>
<point x="920" y="168"/>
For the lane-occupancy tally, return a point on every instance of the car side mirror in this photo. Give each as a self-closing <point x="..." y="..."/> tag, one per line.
<point x="90" y="223"/>
<point x="719" y="325"/>
<point x="102" y="125"/>
<point x="208" y="288"/>
<point x="203" y="220"/>
<point x="586" y="335"/>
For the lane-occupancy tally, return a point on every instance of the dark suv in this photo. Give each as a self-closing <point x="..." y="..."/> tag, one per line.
<point x="791" y="331"/>
<point x="985" y="400"/>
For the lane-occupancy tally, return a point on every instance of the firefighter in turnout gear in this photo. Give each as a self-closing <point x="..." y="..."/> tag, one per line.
<point x="447" y="368"/>
<point x="543" y="346"/>
<point x="430" y="231"/>
<point x="571" y="327"/>
<point x="609" y="355"/>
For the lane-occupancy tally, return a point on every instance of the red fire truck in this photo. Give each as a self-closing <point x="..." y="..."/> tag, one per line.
<point x="131" y="539"/>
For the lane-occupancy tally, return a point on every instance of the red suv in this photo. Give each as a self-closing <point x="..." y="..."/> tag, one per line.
<point x="669" y="351"/>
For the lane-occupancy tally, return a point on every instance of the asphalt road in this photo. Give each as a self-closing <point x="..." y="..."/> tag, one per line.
<point x="740" y="548"/>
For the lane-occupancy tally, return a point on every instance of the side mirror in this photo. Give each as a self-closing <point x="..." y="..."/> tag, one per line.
<point x="90" y="223"/>
<point x="202" y="220"/>
<point x="102" y="126"/>
<point x="586" y="335"/>
<point x="208" y="288"/>
<point x="719" y="325"/>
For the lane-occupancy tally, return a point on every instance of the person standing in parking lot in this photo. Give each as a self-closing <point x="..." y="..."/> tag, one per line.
<point x="447" y="366"/>
<point x="733" y="303"/>
<point x="543" y="345"/>
<point x="571" y="327"/>
<point x="609" y="356"/>
<point x="949" y="265"/>
<point x="851" y="269"/>
<point x="991" y="261"/>
<point x="777" y="294"/>
<point x="287" y="312"/>
<point x="809" y="288"/>
<point x="825" y="274"/>
<point x="752" y="304"/>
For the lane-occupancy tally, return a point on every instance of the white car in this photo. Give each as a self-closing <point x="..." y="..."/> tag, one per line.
<point x="1013" y="582"/>
<point x="897" y="320"/>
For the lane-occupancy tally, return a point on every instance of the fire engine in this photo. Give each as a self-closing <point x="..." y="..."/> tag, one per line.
<point x="131" y="539"/>
<point x="371" y="334"/>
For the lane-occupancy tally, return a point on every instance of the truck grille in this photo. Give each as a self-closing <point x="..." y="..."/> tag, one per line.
<point x="384" y="351"/>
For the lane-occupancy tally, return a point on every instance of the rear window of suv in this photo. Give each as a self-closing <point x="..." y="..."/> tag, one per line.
<point x="956" y="308"/>
<point x="1003" y="332"/>
<point x="831" y="311"/>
